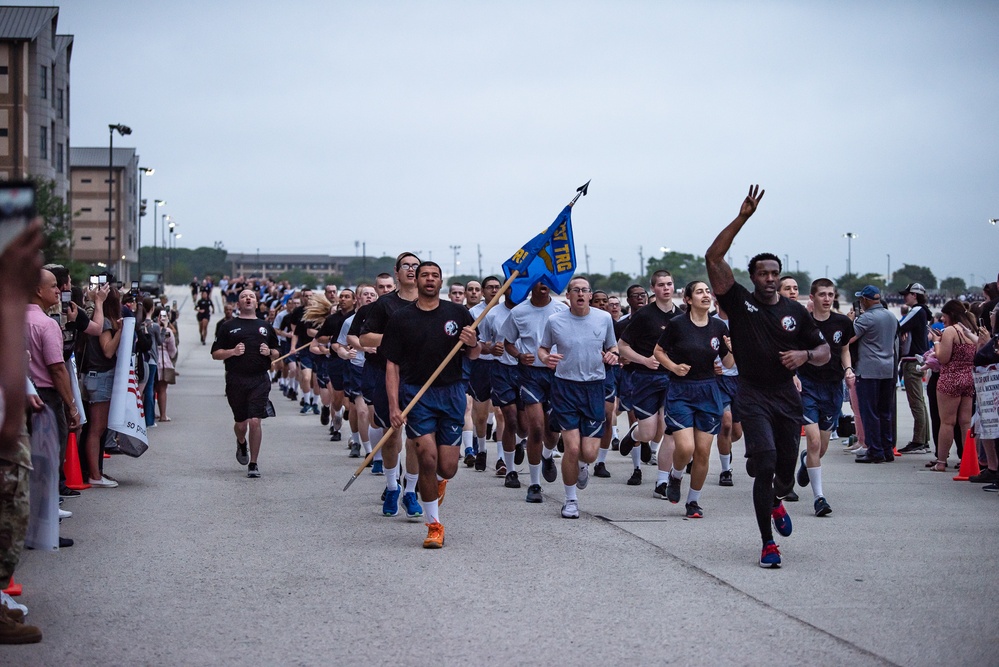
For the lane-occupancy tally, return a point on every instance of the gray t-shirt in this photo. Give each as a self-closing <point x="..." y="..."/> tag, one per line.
<point x="581" y="340"/>
<point x="342" y="340"/>
<point x="526" y="324"/>
<point x="490" y="327"/>
<point x="877" y="330"/>
<point x="475" y="311"/>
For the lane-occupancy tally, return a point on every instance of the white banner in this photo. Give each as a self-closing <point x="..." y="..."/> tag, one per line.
<point x="126" y="415"/>
<point x="74" y="380"/>
<point x="987" y="389"/>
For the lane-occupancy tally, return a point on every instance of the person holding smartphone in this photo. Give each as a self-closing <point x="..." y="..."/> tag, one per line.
<point x="97" y="368"/>
<point x="166" y="373"/>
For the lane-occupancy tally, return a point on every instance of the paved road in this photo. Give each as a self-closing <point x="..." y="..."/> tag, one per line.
<point x="190" y="563"/>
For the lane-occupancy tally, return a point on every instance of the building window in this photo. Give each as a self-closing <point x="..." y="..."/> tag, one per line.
<point x="53" y="85"/>
<point x="86" y="180"/>
<point x="3" y="131"/>
<point x="85" y="238"/>
<point x="86" y="210"/>
<point x="45" y="82"/>
<point x="59" y="98"/>
<point x="3" y="70"/>
<point x="44" y="142"/>
<point x="59" y="160"/>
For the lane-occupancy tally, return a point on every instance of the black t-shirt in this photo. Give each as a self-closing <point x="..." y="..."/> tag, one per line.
<point x="332" y="325"/>
<point x="375" y="321"/>
<point x="916" y="324"/>
<point x="686" y="343"/>
<point x="251" y="332"/>
<point x="760" y="332"/>
<point x="644" y="329"/>
<point x="837" y="330"/>
<point x="73" y="331"/>
<point x="204" y="307"/>
<point x="620" y="325"/>
<point x="418" y="340"/>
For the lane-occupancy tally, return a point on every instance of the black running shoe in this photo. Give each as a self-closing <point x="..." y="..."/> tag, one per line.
<point x="480" y="462"/>
<point x="324" y="415"/>
<point x="791" y="497"/>
<point x="694" y="511"/>
<point x="673" y="489"/>
<point x="822" y="507"/>
<point x="560" y="445"/>
<point x="518" y="453"/>
<point x="549" y="470"/>
<point x="725" y="478"/>
<point x="489" y="431"/>
<point x="803" y="472"/>
<point x="615" y="444"/>
<point x="646" y="452"/>
<point x="469" y="458"/>
<point x="512" y="480"/>
<point x="534" y="494"/>
<point x="636" y="478"/>
<point x="600" y="470"/>
<point x="660" y="491"/>
<point x="628" y="441"/>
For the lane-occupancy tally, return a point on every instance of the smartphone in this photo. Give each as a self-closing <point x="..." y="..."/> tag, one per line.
<point x="135" y="287"/>
<point x="856" y="308"/>
<point x="66" y="296"/>
<point x="17" y="208"/>
<point x="102" y="279"/>
<point x="94" y="282"/>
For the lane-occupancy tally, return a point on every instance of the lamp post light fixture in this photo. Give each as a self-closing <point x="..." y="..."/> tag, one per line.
<point x="994" y="221"/>
<point x="156" y="232"/>
<point x="122" y="130"/>
<point x="172" y="226"/>
<point x="143" y="171"/>
<point x="455" y="249"/>
<point x="849" y="236"/>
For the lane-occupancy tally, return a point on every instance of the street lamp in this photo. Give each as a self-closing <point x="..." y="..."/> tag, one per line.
<point x="994" y="221"/>
<point x="173" y="225"/>
<point x="454" y="268"/>
<point x="849" y="236"/>
<point x="122" y="130"/>
<point x="142" y="212"/>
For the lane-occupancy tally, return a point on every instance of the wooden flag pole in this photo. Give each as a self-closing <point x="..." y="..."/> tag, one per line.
<point x="296" y="350"/>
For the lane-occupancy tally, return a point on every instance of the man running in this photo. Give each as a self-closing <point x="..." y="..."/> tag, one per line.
<point x="771" y="338"/>
<point x="205" y="308"/>
<point x="247" y="345"/>
<point x="416" y="340"/>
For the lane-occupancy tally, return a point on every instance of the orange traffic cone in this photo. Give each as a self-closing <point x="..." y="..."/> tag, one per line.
<point x="71" y="466"/>
<point x="969" y="461"/>
<point x="14" y="588"/>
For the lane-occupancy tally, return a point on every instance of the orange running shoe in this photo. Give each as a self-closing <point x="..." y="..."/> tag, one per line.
<point x="441" y="488"/>
<point x="435" y="536"/>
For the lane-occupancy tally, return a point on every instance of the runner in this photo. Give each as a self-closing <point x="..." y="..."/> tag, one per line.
<point x="331" y="380"/>
<point x="479" y="384"/>
<point x="584" y="338"/>
<point x="416" y="340"/>
<point x="731" y="426"/>
<point x="504" y="386"/>
<point x="771" y="337"/>
<point x="205" y="309"/>
<point x="247" y="345"/>
<point x="601" y="301"/>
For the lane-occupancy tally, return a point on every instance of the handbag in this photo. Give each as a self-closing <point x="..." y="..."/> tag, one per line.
<point x="169" y="375"/>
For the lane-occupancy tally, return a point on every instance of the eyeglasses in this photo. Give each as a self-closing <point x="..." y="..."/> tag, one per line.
<point x="580" y="290"/>
<point x="407" y="267"/>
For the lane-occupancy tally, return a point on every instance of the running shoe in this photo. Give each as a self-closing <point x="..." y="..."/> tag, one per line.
<point x="391" y="505"/>
<point x="534" y="494"/>
<point x="673" y="489"/>
<point x="469" y="457"/>
<point x="694" y="511"/>
<point x="570" y="510"/>
<point x="315" y="409"/>
<point x="782" y="522"/>
<point x="377" y="468"/>
<point x="337" y="422"/>
<point x="518" y="453"/>
<point x="412" y="505"/>
<point x="335" y="436"/>
<point x="791" y="497"/>
<point x="500" y="468"/>
<point x="636" y="478"/>
<point x="628" y="441"/>
<point x="66" y="492"/>
<point x="441" y="489"/>
<point x="822" y="507"/>
<point x="991" y="488"/>
<point x="435" y="536"/>
<point x="355" y="450"/>
<point x="324" y="415"/>
<point x="725" y="478"/>
<point x="660" y="491"/>
<point x="252" y="471"/>
<point x="914" y="448"/>
<point x="770" y="558"/>
<point x="803" y="471"/>
<point x="549" y="470"/>
<point x="512" y="480"/>
<point x="615" y="444"/>
<point x="584" y="477"/>
<point x="600" y="470"/>
<point x="305" y="409"/>
<point x="242" y="456"/>
<point x="646" y="455"/>
<point x="480" y="462"/>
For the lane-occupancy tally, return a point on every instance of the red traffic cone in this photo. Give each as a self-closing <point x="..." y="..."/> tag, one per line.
<point x="71" y="466"/>
<point x="14" y="588"/>
<point x="969" y="460"/>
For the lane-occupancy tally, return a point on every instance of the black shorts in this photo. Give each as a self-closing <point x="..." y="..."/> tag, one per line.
<point x="247" y="395"/>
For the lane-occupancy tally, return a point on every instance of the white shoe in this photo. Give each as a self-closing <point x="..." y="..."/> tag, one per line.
<point x="103" y="483"/>
<point x="860" y="451"/>
<point x="570" y="510"/>
<point x="65" y="514"/>
<point x="584" y="477"/>
<point x="8" y="602"/>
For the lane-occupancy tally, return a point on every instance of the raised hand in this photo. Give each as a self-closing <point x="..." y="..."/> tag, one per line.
<point x="751" y="201"/>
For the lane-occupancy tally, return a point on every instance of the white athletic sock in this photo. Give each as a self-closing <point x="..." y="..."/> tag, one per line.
<point x="375" y="433"/>
<point x="491" y="419"/>
<point x="378" y="454"/>
<point x="508" y="460"/>
<point x="602" y="455"/>
<point x="662" y="476"/>
<point x="499" y="451"/>
<point x="676" y="474"/>
<point x="815" y="479"/>
<point x="355" y="436"/>
<point x="466" y="440"/>
<point x="430" y="512"/>
<point x="547" y="453"/>
<point x="440" y="479"/>
<point x="392" y="479"/>
<point x="570" y="492"/>
<point x="411" y="481"/>
<point x="726" y="461"/>
<point x="693" y="496"/>
<point x="654" y="446"/>
<point x="339" y="411"/>
<point x="535" y="473"/>
<point x="366" y="446"/>
<point x="636" y="456"/>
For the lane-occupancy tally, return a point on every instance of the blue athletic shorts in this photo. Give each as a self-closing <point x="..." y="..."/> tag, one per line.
<point x="305" y="358"/>
<point x="373" y="388"/>
<point x="694" y="404"/>
<point x="441" y="411"/>
<point x="821" y="403"/>
<point x="320" y="366"/>
<point x="480" y="384"/>
<point x="505" y="383"/>
<point x="536" y="385"/>
<point x="578" y="406"/>
<point x="611" y="374"/>
<point x="624" y="384"/>
<point x="648" y="393"/>
<point x="335" y="370"/>
<point x="729" y="385"/>
<point x="352" y="381"/>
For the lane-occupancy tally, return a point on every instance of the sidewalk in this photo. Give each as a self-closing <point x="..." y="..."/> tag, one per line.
<point x="188" y="562"/>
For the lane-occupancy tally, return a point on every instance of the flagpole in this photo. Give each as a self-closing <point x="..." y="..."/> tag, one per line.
<point x="297" y="349"/>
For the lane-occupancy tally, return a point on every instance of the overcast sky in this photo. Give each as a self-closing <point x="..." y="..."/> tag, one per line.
<point x="304" y="126"/>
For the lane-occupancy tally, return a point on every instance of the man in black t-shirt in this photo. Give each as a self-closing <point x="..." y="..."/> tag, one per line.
<point x="822" y="388"/>
<point x="771" y="338"/>
<point x="416" y="340"/>
<point x="324" y="344"/>
<point x="247" y="345"/>
<point x="913" y="330"/>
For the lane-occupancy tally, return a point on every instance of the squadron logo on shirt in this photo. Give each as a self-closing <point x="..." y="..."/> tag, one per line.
<point x="451" y="328"/>
<point x="715" y="343"/>
<point x="838" y="336"/>
<point x="751" y="308"/>
<point x="789" y="323"/>
<point x="263" y="331"/>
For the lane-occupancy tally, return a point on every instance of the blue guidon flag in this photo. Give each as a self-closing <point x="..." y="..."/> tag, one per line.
<point x="550" y="257"/>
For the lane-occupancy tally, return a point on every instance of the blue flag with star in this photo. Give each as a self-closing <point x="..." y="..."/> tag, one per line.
<point x="550" y="257"/>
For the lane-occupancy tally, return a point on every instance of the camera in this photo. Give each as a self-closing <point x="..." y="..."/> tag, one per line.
<point x="17" y="208"/>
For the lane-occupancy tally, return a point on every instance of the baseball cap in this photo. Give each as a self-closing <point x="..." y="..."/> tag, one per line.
<point x="870" y="292"/>
<point x="913" y="288"/>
